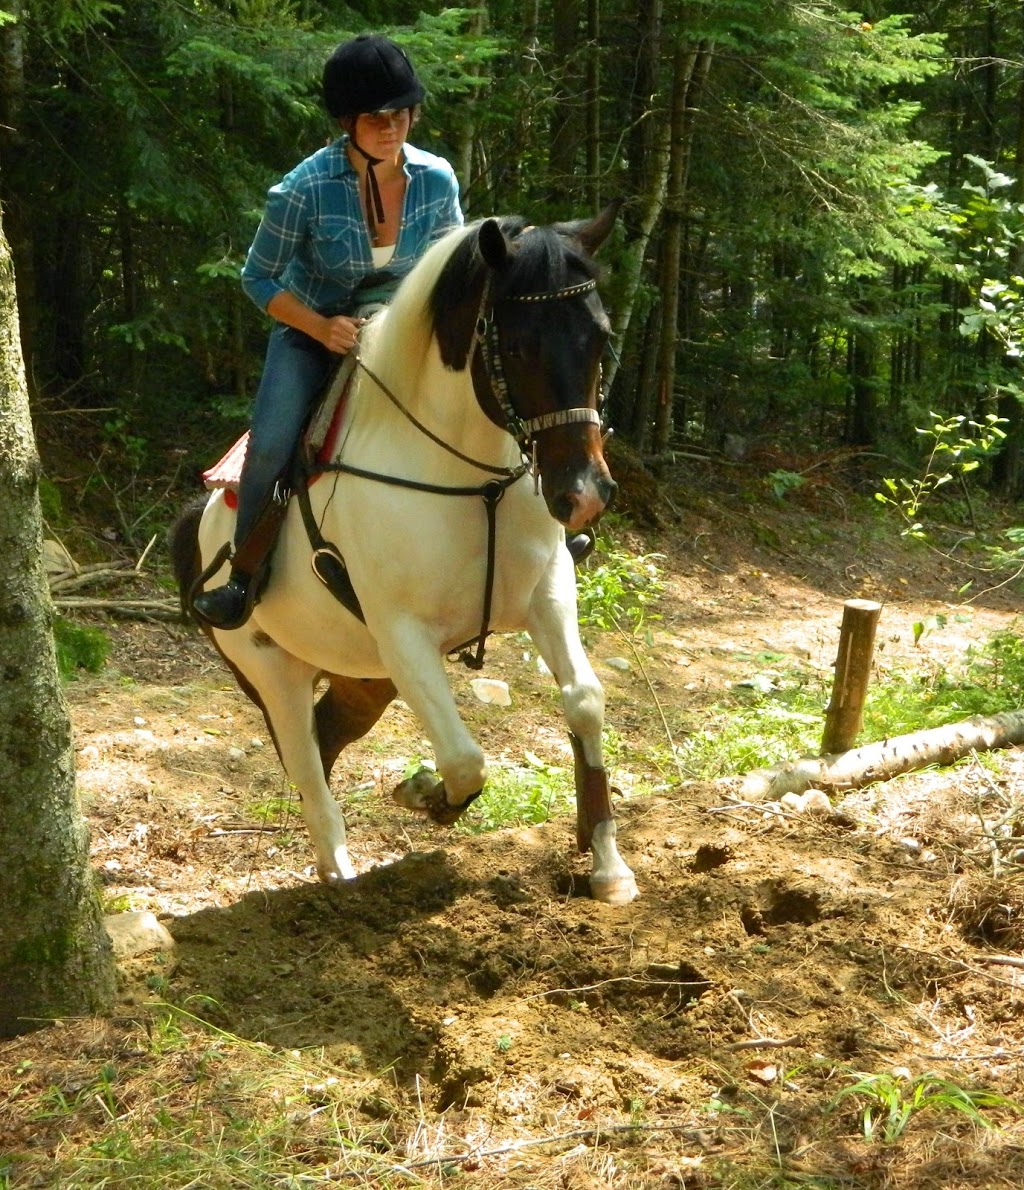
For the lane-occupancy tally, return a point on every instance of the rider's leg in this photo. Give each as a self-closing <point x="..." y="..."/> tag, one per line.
<point x="295" y="370"/>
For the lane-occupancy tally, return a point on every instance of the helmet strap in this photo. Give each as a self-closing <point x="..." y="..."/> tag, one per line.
<point x="371" y="195"/>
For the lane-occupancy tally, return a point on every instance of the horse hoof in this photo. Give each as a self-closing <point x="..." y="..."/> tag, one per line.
<point x="414" y="793"/>
<point x="336" y="873"/>
<point x="620" y="890"/>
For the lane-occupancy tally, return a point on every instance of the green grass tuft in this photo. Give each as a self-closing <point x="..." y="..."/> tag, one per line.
<point x="79" y="648"/>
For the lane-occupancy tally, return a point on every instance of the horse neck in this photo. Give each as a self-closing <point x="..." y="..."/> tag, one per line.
<point x="442" y="401"/>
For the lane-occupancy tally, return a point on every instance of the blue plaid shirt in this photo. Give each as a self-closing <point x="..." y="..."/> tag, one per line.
<point x="313" y="242"/>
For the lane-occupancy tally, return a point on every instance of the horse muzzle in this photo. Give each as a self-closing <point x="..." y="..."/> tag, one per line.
<point x="578" y="503"/>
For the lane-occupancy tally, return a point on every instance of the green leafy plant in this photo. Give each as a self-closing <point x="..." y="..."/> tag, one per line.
<point x="887" y="1102"/>
<point x="953" y="454"/>
<point x="618" y="591"/>
<point x="781" y="483"/>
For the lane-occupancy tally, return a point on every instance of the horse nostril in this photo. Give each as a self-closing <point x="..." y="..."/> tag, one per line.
<point x="608" y="488"/>
<point x="562" y="509"/>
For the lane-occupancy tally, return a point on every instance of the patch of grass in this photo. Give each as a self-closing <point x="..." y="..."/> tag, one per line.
<point x="760" y="726"/>
<point x="271" y="810"/>
<point x="755" y="729"/>
<point x="520" y="795"/>
<point x="187" y="1104"/>
<point x="79" y="647"/>
<point x="988" y="681"/>
<point x="886" y="1102"/>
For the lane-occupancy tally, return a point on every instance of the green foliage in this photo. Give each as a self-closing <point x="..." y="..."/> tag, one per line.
<point x="617" y="589"/>
<point x="779" y="714"/>
<point x="79" y="647"/>
<point x="754" y="730"/>
<point x="781" y="483"/>
<point x="988" y="682"/>
<point x="520" y="795"/>
<point x="887" y="1102"/>
<point x="949" y="457"/>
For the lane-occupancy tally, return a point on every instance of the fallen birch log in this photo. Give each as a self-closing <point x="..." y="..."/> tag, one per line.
<point x="890" y="758"/>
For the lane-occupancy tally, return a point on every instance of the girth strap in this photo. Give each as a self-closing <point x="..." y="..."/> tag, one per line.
<point x="329" y="565"/>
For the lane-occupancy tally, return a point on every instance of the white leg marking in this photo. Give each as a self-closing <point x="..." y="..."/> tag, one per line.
<point x="553" y="625"/>
<point x="414" y="663"/>
<point x="285" y="686"/>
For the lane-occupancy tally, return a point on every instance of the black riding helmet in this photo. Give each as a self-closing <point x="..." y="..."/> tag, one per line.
<point x="369" y="73"/>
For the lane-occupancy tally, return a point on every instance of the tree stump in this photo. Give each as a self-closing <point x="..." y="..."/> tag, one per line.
<point x="845" y="712"/>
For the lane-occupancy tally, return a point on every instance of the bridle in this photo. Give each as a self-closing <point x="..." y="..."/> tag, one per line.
<point x="486" y="343"/>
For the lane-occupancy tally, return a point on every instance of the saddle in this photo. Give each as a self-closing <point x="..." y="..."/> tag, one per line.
<point x="315" y="444"/>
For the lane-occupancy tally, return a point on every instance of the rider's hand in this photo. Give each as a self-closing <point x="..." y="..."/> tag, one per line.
<point x="340" y="333"/>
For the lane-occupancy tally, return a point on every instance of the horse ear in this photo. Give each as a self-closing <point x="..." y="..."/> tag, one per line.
<point x="493" y="245"/>
<point x="592" y="233"/>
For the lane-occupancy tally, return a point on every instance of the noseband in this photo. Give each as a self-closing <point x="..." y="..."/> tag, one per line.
<point x="485" y="340"/>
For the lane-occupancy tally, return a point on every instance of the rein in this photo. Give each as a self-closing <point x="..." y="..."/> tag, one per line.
<point x="328" y="564"/>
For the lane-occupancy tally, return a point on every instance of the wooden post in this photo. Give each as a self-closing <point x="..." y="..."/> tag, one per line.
<point x="853" y="671"/>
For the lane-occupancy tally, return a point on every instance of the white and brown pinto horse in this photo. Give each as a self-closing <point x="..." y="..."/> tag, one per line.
<point x="489" y="354"/>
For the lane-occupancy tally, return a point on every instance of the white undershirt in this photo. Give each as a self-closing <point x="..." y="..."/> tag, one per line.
<point x="382" y="256"/>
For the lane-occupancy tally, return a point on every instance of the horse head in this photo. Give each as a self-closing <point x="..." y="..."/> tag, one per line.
<point x="519" y="305"/>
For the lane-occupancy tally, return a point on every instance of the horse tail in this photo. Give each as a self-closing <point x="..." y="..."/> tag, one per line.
<point x="183" y="543"/>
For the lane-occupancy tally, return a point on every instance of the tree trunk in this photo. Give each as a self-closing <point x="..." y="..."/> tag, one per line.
<point x="466" y="125"/>
<point x="690" y="69"/>
<point x="845" y="711"/>
<point x="567" y="132"/>
<point x="13" y="148"/>
<point x="593" y="104"/>
<point x="888" y="759"/>
<point x="55" y="957"/>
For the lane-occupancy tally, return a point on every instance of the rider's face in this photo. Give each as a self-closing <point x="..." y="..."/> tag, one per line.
<point x="382" y="134"/>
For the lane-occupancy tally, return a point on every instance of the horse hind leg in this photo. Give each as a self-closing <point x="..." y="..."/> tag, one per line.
<point x="283" y="687"/>
<point x="346" y="711"/>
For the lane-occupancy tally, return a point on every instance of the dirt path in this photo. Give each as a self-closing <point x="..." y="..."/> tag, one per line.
<point x="480" y="1000"/>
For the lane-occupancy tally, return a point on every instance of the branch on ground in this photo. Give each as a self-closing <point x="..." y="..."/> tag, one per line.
<point x="882" y="761"/>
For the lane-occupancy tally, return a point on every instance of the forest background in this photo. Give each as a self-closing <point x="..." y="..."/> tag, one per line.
<point x="820" y="244"/>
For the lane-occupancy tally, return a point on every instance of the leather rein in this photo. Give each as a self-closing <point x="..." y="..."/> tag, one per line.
<point x="327" y="562"/>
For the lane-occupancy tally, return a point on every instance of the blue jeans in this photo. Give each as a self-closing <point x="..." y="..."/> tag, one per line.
<point x="295" y="371"/>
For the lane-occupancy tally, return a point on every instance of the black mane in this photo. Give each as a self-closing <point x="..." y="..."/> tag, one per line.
<point x="540" y="262"/>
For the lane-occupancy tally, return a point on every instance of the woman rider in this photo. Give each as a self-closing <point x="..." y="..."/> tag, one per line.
<point x="337" y="232"/>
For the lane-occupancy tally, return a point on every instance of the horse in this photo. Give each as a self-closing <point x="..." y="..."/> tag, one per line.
<point x="469" y="445"/>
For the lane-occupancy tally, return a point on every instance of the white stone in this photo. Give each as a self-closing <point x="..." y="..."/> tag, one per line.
<point x="56" y="558"/>
<point x="619" y="663"/>
<point x="492" y="691"/>
<point x="814" y="801"/>
<point x="136" y="933"/>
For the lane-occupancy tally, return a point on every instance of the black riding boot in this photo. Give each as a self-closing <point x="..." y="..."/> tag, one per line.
<point x="581" y="545"/>
<point x="230" y="605"/>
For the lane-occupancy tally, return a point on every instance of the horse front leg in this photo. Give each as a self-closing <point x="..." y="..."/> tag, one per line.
<point x="413" y="660"/>
<point x="553" y="626"/>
